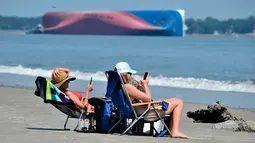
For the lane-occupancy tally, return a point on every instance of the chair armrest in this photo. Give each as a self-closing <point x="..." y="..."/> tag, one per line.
<point x="146" y="103"/>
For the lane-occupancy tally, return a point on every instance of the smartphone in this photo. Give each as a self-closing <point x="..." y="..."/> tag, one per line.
<point x="145" y="75"/>
<point x="90" y="82"/>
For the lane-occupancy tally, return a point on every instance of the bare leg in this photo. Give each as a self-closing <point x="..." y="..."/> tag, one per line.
<point x="175" y="106"/>
<point x="171" y="122"/>
<point x="175" y="109"/>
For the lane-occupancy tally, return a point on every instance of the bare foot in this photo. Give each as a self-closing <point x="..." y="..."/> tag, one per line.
<point x="179" y="135"/>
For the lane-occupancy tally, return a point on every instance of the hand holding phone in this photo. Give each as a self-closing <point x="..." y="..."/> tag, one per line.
<point x="89" y="88"/>
<point x="90" y="82"/>
<point x="145" y="75"/>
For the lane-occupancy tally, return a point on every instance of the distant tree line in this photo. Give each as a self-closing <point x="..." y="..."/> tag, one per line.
<point x="211" y="25"/>
<point x="19" y="23"/>
<point x="208" y="25"/>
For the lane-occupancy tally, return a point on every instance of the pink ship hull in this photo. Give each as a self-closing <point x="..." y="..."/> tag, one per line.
<point x="100" y="23"/>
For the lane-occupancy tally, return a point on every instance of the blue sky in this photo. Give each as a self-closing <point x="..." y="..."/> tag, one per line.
<point x="221" y="9"/>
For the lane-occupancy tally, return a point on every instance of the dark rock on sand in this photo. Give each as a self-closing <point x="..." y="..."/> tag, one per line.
<point x="213" y="114"/>
<point x="217" y="113"/>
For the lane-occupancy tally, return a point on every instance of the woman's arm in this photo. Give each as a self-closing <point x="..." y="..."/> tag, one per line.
<point x="147" y="91"/>
<point x="80" y="103"/>
<point x="87" y="94"/>
<point x="75" y="99"/>
<point x="57" y="70"/>
<point x="137" y="94"/>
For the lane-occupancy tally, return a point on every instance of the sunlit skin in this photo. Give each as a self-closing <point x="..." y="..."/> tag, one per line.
<point x="82" y="104"/>
<point x="175" y="105"/>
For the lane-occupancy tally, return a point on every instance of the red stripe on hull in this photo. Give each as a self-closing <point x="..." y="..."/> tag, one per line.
<point x="116" y="22"/>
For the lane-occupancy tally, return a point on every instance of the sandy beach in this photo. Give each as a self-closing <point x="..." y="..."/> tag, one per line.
<point x="25" y="118"/>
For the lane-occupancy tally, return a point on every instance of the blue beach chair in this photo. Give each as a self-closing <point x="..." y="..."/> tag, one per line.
<point x="119" y="95"/>
<point x="51" y="94"/>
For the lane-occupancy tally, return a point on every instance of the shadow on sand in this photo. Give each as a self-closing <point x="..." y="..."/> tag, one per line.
<point x="48" y="129"/>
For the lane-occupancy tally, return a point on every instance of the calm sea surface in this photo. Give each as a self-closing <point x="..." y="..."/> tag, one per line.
<point x="195" y="69"/>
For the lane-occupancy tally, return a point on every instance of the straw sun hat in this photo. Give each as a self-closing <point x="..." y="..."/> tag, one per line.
<point x="62" y="78"/>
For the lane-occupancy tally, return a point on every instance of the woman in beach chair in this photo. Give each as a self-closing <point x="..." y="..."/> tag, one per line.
<point x="175" y="105"/>
<point x="61" y="79"/>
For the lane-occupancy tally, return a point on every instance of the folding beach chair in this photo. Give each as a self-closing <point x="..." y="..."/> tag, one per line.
<point x="119" y="95"/>
<point x="51" y="94"/>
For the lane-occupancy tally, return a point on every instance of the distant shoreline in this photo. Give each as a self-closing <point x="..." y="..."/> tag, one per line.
<point x="222" y="35"/>
<point x="186" y="35"/>
<point x="13" y="31"/>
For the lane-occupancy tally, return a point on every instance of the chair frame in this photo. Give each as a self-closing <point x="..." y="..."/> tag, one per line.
<point x="70" y="113"/>
<point x="82" y="113"/>
<point x="137" y="118"/>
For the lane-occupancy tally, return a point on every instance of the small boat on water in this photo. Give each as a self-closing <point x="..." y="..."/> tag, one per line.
<point x="38" y="30"/>
<point x="135" y="23"/>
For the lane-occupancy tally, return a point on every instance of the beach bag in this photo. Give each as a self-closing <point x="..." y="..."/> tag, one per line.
<point x="106" y="115"/>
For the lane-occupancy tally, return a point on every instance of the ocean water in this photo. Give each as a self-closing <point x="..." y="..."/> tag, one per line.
<point x="194" y="69"/>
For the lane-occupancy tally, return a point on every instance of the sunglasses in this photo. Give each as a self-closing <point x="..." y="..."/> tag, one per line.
<point x="129" y="73"/>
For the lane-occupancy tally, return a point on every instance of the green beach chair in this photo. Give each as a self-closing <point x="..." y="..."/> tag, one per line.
<point x="51" y="94"/>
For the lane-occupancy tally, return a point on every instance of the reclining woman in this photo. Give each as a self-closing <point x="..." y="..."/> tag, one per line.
<point x="61" y="79"/>
<point x="175" y="105"/>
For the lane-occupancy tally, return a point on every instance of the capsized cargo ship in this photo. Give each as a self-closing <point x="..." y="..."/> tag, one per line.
<point x="135" y="23"/>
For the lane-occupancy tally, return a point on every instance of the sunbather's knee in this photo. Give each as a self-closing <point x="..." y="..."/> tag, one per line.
<point x="174" y="101"/>
<point x="180" y="102"/>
